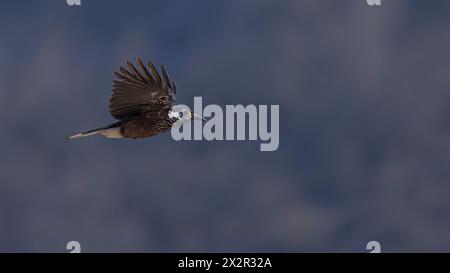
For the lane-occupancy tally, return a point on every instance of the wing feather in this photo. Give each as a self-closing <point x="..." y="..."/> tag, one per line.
<point x="165" y="76"/>
<point x="155" y="73"/>
<point x="135" y="72"/>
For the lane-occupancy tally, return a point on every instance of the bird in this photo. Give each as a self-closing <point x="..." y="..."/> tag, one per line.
<point x="143" y="103"/>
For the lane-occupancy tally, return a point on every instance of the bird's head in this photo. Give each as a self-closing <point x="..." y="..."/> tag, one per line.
<point x="183" y="115"/>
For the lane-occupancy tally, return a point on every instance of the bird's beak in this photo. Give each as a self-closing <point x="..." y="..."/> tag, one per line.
<point x="198" y="117"/>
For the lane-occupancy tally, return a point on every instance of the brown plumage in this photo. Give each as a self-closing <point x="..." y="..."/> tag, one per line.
<point x="141" y="100"/>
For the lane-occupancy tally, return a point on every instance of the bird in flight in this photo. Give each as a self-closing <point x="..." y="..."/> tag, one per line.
<point x="143" y="103"/>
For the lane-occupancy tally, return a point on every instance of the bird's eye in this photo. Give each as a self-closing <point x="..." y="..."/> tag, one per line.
<point x="180" y="114"/>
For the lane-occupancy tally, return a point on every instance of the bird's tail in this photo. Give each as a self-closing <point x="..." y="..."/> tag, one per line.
<point x="103" y="130"/>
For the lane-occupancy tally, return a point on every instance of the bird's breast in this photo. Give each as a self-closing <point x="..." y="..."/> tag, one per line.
<point x="143" y="127"/>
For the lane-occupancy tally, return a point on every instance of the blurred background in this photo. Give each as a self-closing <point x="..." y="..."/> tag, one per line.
<point x="364" y="127"/>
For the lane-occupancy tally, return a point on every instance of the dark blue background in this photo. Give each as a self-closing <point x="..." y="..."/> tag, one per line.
<point x="364" y="126"/>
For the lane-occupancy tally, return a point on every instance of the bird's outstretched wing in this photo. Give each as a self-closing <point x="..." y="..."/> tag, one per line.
<point x="138" y="91"/>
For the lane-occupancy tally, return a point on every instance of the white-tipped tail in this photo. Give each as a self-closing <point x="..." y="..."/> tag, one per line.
<point x="89" y="133"/>
<point x="109" y="132"/>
